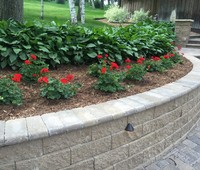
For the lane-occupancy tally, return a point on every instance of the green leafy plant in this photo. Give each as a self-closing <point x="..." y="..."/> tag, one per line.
<point x="135" y="72"/>
<point x="166" y="62"/>
<point x="57" y="89"/>
<point x="62" y="44"/>
<point x="110" y="79"/>
<point x="9" y="92"/>
<point x="176" y="57"/>
<point x="140" y="15"/>
<point x="154" y="65"/>
<point x="116" y="14"/>
<point x="33" y="68"/>
<point x="95" y="69"/>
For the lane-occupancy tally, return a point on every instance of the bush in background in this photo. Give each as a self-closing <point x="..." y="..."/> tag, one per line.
<point x="116" y="14"/>
<point x="140" y="15"/>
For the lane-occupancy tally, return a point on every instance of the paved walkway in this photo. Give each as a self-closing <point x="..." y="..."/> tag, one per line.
<point x="186" y="155"/>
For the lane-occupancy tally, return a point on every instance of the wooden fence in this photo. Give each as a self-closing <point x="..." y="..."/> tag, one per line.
<point x="185" y="9"/>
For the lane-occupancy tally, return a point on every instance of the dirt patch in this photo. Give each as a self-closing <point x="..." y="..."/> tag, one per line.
<point x="36" y="105"/>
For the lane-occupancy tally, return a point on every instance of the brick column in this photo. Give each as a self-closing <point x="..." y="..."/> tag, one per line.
<point x="183" y="29"/>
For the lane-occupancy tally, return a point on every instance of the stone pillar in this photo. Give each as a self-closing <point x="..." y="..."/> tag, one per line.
<point x="183" y="29"/>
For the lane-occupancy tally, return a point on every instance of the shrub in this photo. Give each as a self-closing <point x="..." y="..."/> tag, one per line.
<point x="154" y="65"/>
<point x="109" y="81"/>
<point x="9" y="92"/>
<point x="57" y="89"/>
<point x="116" y="14"/>
<point x="135" y="72"/>
<point x="75" y="44"/>
<point x="140" y="15"/>
<point x="33" y="68"/>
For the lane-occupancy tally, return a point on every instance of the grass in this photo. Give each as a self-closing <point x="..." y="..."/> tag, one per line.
<point x="59" y="13"/>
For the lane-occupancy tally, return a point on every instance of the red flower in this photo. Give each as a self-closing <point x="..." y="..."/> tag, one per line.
<point x="34" y="75"/>
<point x="43" y="79"/>
<point x="172" y="55"/>
<point x="103" y="70"/>
<point x="155" y="58"/>
<point x="140" y="60"/>
<point x="127" y="60"/>
<point x="33" y="56"/>
<point x="17" y="77"/>
<point x="70" y="77"/>
<point x="114" y="66"/>
<point x="64" y="80"/>
<point x="166" y="56"/>
<point x="106" y="55"/>
<point x="27" y="62"/>
<point x="99" y="56"/>
<point x="128" y="67"/>
<point x="44" y="70"/>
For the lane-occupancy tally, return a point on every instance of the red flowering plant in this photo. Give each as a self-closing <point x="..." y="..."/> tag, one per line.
<point x="56" y="89"/>
<point x="166" y="62"/>
<point x="154" y="64"/>
<point x="10" y="93"/>
<point x="95" y="69"/>
<point x="109" y="79"/>
<point x="33" y="68"/>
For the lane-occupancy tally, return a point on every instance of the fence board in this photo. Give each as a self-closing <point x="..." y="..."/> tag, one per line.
<point x="185" y="9"/>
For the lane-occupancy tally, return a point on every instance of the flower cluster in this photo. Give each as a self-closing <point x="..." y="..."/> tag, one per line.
<point x="16" y="77"/>
<point x="67" y="79"/>
<point x="140" y="60"/>
<point x="33" y="69"/>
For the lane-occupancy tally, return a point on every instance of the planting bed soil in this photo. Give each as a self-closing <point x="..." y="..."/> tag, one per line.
<point x="33" y="104"/>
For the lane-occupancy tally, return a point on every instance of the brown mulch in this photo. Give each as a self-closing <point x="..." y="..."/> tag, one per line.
<point x="36" y="105"/>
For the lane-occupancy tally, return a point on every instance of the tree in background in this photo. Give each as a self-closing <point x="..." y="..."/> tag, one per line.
<point x="42" y="9"/>
<point x="72" y="11"/>
<point x="11" y="9"/>
<point x="81" y="11"/>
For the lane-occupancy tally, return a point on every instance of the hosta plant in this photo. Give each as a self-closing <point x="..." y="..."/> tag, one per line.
<point x="9" y="92"/>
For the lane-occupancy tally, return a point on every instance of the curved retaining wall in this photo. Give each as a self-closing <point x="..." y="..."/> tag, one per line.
<point x="93" y="137"/>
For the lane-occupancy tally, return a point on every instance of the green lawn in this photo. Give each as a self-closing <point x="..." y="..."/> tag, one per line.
<point x="58" y="13"/>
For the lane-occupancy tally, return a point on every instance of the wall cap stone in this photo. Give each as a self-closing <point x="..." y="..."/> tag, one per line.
<point x="20" y="130"/>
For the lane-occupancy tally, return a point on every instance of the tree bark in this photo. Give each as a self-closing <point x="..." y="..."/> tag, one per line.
<point x="102" y="4"/>
<point x="72" y="11"/>
<point x="11" y="9"/>
<point x="79" y="11"/>
<point x="82" y="10"/>
<point x="42" y="9"/>
<point x="92" y="2"/>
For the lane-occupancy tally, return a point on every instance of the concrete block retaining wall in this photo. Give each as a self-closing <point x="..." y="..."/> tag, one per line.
<point x="93" y="137"/>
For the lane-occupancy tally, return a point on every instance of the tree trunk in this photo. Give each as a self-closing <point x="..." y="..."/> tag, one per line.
<point x="11" y="9"/>
<point x="42" y="9"/>
<point x="92" y="2"/>
<point x="60" y="1"/>
<point x="102" y="4"/>
<point x="82" y="10"/>
<point x="79" y="11"/>
<point x="72" y="11"/>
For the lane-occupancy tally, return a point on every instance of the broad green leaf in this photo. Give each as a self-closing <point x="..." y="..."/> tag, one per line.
<point x="16" y="50"/>
<point x="44" y="49"/>
<point x="92" y="54"/>
<point x="12" y="58"/>
<point x="4" y="63"/>
<point x="91" y="45"/>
